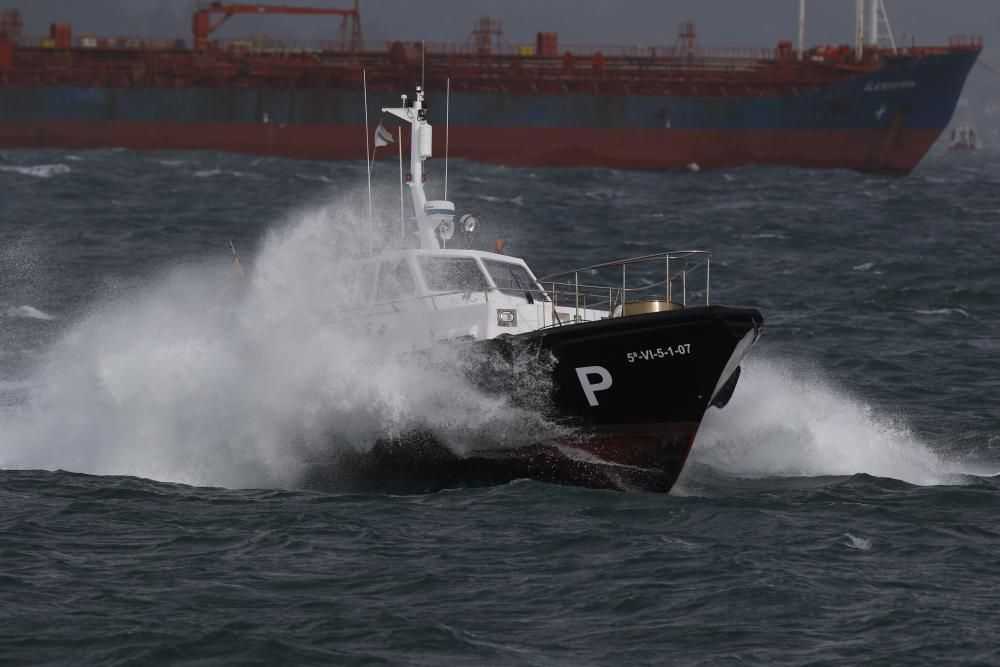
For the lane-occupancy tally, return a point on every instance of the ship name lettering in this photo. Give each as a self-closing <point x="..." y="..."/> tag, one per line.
<point x="884" y="86"/>
<point x="658" y="353"/>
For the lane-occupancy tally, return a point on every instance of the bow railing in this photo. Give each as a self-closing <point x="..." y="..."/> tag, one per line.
<point x="650" y="283"/>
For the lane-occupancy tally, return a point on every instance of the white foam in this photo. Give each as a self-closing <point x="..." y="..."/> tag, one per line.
<point x="198" y="379"/>
<point x="210" y="173"/>
<point x="603" y="194"/>
<point x="516" y="201"/>
<point x="864" y="267"/>
<point x="944" y="311"/>
<point x="859" y="543"/>
<point x="785" y="419"/>
<point x="29" y="312"/>
<point x="321" y="178"/>
<point x="39" y="171"/>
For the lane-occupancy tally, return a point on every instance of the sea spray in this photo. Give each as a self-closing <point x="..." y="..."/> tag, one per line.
<point x="29" y="312"/>
<point x="786" y="419"/>
<point x="201" y="378"/>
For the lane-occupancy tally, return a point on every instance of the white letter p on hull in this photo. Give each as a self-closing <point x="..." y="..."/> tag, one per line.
<point x="589" y="388"/>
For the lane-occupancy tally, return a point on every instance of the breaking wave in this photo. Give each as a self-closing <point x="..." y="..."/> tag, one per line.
<point x="944" y="311"/>
<point x="786" y="420"/>
<point x="493" y="199"/>
<point x="38" y="171"/>
<point x="211" y="173"/>
<point x="29" y="312"/>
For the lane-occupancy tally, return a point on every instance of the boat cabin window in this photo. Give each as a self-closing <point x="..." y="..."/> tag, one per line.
<point x="452" y="274"/>
<point x="512" y="278"/>
<point x="394" y="281"/>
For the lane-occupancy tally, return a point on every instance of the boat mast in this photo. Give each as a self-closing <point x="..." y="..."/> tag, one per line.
<point x="881" y="28"/>
<point x="802" y="29"/>
<point x="434" y="218"/>
<point x="873" y="23"/>
<point x="859" y="30"/>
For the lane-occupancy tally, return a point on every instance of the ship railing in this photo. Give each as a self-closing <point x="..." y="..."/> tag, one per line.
<point x="613" y="55"/>
<point x="106" y="43"/>
<point x="608" y="52"/>
<point x="642" y="51"/>
<point x="649" y="283"/>
<point x="442" y="300"/>
<point x="268" y="46"/>
<point x="589" y="61"/>
<point x="970" y="42"/>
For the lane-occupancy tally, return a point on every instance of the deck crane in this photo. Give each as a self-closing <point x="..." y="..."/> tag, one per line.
<point x="203" y="26"/>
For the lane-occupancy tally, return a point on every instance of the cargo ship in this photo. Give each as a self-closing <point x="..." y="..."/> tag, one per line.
<point x="872" y="106"/>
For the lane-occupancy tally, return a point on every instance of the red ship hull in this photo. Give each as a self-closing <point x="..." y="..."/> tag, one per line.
<point x="883" y="151"/>
<point x="661" y="108"/>
<point x="653" y="108"/>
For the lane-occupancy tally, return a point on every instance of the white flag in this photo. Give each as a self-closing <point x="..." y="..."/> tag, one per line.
<point x="383" y="137"/>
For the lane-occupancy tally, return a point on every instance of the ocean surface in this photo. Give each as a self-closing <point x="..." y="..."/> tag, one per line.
<point x="157" y="413"/>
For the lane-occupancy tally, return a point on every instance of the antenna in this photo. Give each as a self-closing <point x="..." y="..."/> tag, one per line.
<point x="447" y="119"/>
<point x="239" y="265"/>
<point x="402" y="215"/>
<point x="873" y="23"/>
<point x="802" y="29"/>
<point x="368" y="161"/>
<point x="859" y="30"/>
<point x="423" y="67"/>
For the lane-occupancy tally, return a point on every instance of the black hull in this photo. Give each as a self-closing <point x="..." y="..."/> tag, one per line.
<point x="632" y="391"/>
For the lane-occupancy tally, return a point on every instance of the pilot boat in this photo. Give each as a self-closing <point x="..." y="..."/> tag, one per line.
<point x="634" y="352"/>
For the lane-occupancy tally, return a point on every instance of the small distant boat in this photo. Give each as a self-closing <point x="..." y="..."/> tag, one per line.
<point x="964" y="139"/>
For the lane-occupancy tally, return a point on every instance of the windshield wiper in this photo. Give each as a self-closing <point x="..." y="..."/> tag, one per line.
<point x="517" y="281"/>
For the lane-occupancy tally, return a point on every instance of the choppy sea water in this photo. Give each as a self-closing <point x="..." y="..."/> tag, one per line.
<point x="155" y="413"/>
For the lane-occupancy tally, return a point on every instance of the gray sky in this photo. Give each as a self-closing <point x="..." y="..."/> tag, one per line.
<point x="738" y="23"/>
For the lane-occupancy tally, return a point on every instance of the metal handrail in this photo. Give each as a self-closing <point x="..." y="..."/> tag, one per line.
<point x="673" y="254"/>
<point x="538" y="294"/>
<point x="585" y="296"/>
<point x="676" y="266"/>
